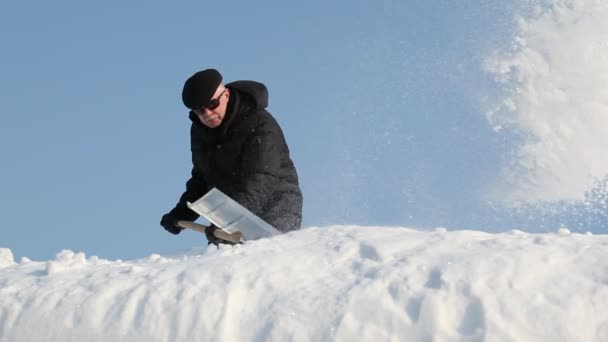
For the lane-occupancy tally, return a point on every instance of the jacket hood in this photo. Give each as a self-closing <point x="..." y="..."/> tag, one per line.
<point x="256" y="91"/>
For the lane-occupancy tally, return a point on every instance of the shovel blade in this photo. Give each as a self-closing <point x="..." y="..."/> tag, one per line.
<point x="226" y="214"/>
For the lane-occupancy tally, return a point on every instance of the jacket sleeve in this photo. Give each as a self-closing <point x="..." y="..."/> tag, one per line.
<point x="195" y="189"/>
<point x="196" y="186"/>
<point x="260" y="165"/>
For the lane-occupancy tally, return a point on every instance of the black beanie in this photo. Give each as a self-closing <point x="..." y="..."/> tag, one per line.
<point x="200" y="87"/>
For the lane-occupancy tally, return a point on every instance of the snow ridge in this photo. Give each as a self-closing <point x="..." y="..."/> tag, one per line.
<point x="339" y="283"/>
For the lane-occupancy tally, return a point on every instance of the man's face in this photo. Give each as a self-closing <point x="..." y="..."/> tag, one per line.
<point x="212" y="115"/>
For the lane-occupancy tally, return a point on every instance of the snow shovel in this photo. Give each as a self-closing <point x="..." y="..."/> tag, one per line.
<point x="231" y="217"/>
<point x="235" y="237"/>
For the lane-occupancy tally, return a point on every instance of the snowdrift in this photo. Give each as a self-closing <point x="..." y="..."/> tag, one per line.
<point x="340" y="283"/>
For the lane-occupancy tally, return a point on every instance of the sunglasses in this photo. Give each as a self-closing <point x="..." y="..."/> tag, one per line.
<point x="213" y="103"/>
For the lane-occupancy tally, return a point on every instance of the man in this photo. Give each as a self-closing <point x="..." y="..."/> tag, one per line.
<point x="239" y="148"/>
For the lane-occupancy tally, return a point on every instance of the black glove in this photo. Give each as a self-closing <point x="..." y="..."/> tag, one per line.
<point x="170" y="224"/>
<point x="212" y="239"/>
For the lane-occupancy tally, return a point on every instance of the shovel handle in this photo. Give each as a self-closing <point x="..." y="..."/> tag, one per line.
<point x="192" y="225"/>
<point x="235" y="237"/>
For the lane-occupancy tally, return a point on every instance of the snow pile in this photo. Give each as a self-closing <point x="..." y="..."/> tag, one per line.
<point x="339" y="283"/>
<point x="6" y="257"/>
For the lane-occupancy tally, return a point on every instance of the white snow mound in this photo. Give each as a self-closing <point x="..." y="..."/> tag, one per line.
<point x="340" y="283"/>
<point x="6" y="257"/>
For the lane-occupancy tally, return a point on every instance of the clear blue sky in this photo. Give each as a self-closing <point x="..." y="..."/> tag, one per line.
<point x="379" y="102"/>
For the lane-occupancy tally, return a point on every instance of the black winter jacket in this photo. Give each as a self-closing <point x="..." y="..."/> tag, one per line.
<point x="247" y="158"/>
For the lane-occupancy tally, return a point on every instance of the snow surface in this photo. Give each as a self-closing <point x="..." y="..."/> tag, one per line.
<point x="339" y="283"/>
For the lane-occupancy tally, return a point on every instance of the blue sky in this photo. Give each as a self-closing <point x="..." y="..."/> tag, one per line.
<point x="379" y="101"/>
